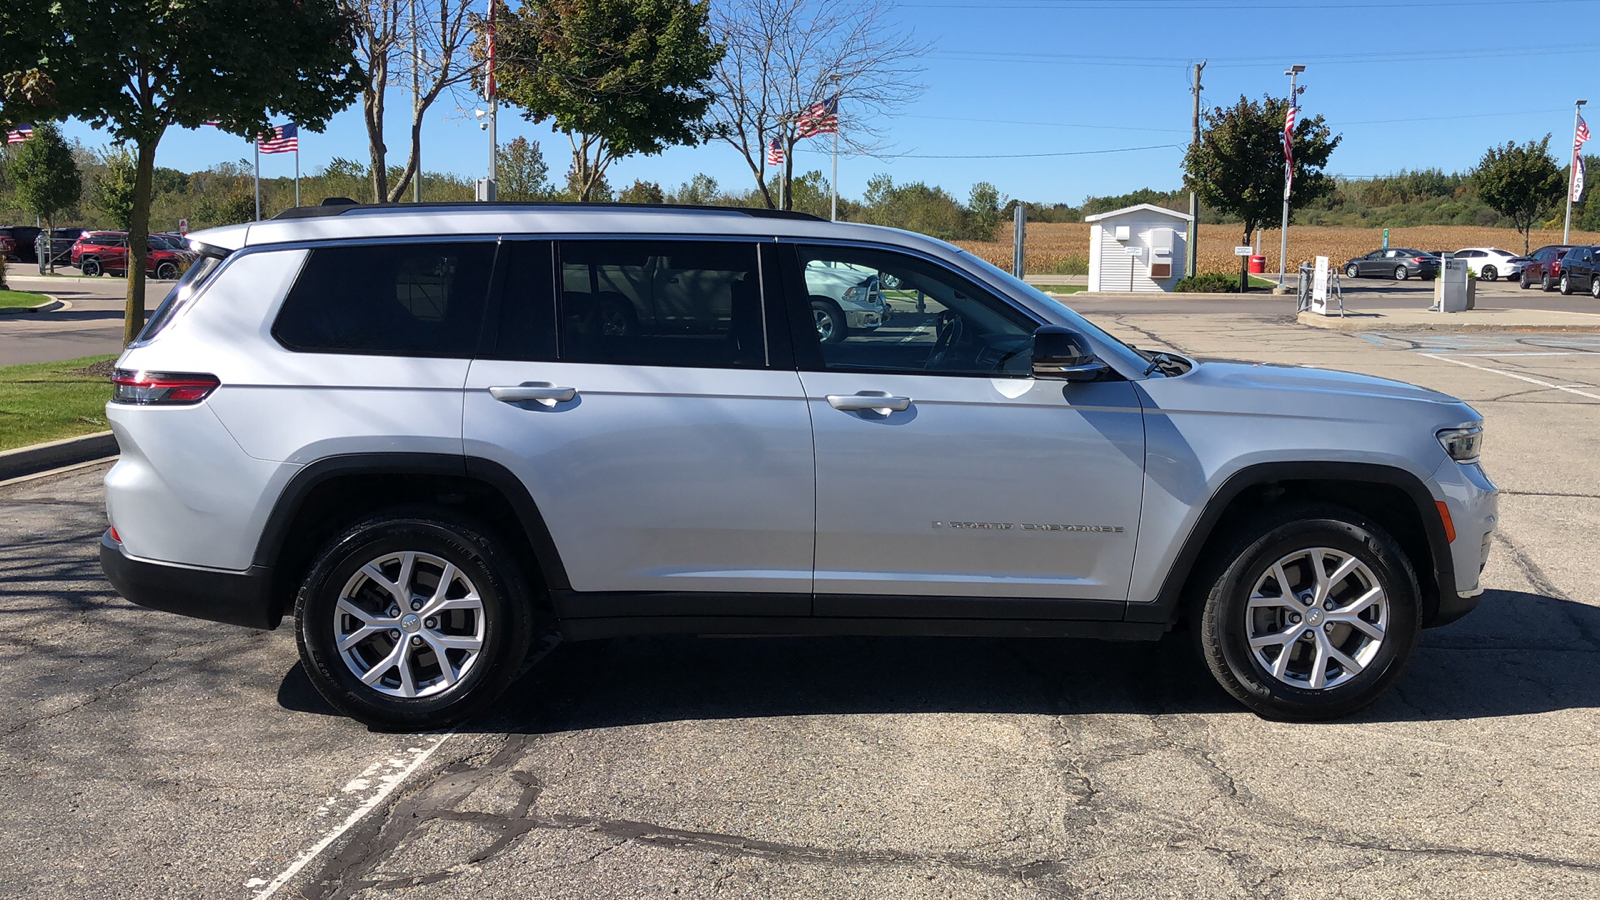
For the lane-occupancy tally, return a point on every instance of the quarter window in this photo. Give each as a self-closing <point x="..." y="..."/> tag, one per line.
<point x="877" y="310"/>
<point x="389" y="300"/>
<point x="665" y="303"/>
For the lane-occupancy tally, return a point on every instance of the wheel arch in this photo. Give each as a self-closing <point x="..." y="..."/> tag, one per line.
<point x="329" y="494"/>
<point x="1393" y="498"/>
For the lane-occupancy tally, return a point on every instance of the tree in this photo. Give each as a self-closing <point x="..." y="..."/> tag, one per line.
<point x="45" y="175"/>
<point x="1237" y="166"/>
<point x="396" y="46"/>
<point x="781" y="58"/>
<point x="617" y="77"/>
<point x="597" y="191"/>
<point x="983" y="211"/>
<point x="1519" y="181"/>
<point x="523" y="172"/>
<point x="112" y="189"/>
<point x="701" y="190"/>
<point x="642" y="192"/>
<point x="139" y="67"/>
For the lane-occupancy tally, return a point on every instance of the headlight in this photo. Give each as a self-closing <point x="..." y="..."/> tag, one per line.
<point x="1463" y="444"/>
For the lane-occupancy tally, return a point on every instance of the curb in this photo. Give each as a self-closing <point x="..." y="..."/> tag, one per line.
<point x="1446" y="322"/>
<point x="55" y="454"/>
<point x="51" y="304"/>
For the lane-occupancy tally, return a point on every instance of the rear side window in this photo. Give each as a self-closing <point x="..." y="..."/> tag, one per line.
<point x="389" y="300"/>
<point x="661" y="302"/>
<point x="197" y="277"/>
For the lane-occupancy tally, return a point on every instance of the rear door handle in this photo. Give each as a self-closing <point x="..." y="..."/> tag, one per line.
<point x="539" y="391"/>
<point x="877" y="401"/>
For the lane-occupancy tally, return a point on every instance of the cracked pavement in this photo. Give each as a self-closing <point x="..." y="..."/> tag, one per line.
<point x="153" y="756"/>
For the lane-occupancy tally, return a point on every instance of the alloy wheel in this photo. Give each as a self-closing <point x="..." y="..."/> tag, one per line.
<point x="823" y="322"/>
<point x="1316" y="618"/>
<point x="409" y="624"/>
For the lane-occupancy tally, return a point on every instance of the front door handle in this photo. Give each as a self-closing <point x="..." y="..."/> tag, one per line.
<point x="538" y="391"/>
<point x="877" y="401"/>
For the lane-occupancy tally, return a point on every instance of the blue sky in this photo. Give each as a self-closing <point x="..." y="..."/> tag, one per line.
<point x="1408" y="83"/>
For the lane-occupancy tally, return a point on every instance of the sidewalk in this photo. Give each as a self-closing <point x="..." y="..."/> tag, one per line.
<point x="1480" y="319"/>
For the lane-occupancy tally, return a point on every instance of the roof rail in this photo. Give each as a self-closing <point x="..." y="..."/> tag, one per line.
<point x="340" y="207"/>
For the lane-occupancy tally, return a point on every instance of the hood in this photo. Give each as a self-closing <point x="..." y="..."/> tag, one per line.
<point x="1304" y="380"/>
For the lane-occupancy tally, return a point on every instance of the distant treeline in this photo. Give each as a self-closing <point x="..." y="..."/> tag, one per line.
<point x="225" y="194"/>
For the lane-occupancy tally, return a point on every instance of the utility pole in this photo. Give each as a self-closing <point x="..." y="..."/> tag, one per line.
<point x="1288" y="175"/>
<point x="1193" y="253"/>
<point x="1573" y="185"/>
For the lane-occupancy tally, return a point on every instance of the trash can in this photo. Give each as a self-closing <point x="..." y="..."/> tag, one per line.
<point x="1258" y="265"/>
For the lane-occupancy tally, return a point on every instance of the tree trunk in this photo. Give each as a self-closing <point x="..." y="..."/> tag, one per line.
<point x="398" y="191"/>
<point x="1244" y="267"/>
<point x="372" y="111"/>
<point x="139" y="238"/>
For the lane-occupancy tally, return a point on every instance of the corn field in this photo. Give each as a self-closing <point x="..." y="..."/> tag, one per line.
<point x="1063" y="248"/>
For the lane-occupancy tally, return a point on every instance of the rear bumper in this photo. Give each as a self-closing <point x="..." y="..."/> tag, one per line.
<point x="237" y="598"/>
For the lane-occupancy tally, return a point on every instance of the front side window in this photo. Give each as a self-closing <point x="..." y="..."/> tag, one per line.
<point x="661" y="302"/>
<point x="878" y="310"/>
<point x="389" y="300"/>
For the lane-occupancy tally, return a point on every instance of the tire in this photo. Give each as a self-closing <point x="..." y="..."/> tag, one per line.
<point x="90" y="268"/>
<point x="1545" y="284"/>
<point x="1351" y="271"/>
<point x="1523" y="282"/>
<point x="1489" y="273"/>
<point x="1400" y="273"/>
<point x="828" y="320"/>
<point x="613" y="318"/>
<point x="1566" y="285"/>
<point x="1594" y="286"/>
<point x="1289" y="540"/>
<point x="167" y="271"/>
<point x="487" y="638"/>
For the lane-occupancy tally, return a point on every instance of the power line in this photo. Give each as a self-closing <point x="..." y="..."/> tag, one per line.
<point x="1045" y="124"/>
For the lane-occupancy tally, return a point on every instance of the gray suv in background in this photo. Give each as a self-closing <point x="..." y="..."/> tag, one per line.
<point x="433" y="433"/>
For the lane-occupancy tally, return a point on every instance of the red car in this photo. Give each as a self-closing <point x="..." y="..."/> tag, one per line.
<point x="1544" y="267"/>
<point x="98" y="252"/>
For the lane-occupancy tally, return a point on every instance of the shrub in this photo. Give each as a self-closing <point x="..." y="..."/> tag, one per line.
<point x="1209" y="283"/>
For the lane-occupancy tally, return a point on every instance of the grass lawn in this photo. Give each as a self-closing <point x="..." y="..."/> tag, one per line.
<point x="21" y="298"/>
<point x="49" y="401"/>
<point x="1060" y="288"/>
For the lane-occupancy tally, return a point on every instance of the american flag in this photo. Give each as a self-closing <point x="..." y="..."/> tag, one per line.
<point x="22" y="133"/>
<point x="774" y="153"/>
<point x="819" y="118"/>
<point x="1579" y="137"/>
<point x="282" y="139"/>
<point x="1288" y="151"/>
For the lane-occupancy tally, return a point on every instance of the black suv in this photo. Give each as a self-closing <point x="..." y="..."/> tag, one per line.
<point x="1578" y="271"/>
<point x="22" y="237"/>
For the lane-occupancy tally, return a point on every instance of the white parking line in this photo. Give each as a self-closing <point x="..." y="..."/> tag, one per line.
<point x="1555" y="387"/>
<point x="399" y="771"/>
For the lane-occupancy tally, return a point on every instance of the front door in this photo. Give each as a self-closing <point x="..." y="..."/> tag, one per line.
<point x="950" y="483"/>
<point x="670" y="456"/>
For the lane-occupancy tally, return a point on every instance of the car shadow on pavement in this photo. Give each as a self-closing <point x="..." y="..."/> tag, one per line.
<point x="1518" y="654"/>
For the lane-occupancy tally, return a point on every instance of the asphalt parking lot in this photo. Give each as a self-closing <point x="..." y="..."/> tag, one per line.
<point x="153" y="756"/>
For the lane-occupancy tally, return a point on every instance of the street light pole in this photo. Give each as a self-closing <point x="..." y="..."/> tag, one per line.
<point x="834" y="215"/>
<point x="1572" y="169"/>
<point x="1283" y="232"/>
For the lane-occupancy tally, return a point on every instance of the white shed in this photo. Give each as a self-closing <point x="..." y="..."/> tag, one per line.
<point x="1139" y="248"/>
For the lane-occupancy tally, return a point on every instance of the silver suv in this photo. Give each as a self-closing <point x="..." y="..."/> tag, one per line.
<point x="437" y="433"/>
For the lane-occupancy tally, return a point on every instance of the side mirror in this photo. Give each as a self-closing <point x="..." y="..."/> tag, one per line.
<point x="1060" y="352"/>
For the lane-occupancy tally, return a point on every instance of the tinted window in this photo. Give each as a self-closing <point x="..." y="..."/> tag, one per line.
<point x="392" y="300"/>
<point x="877" y="310"/>
<point x="673" y="303"/>
<point x="527" y="303"/>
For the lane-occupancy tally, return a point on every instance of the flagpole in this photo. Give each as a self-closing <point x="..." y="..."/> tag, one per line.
<point x="258" y="179"/>
<point x="1288" y="178"/>
<point x="297" y="170"/>
<point x="1572" y="169"/>
<point x="835" y="214"/>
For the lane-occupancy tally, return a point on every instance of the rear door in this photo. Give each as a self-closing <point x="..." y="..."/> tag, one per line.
<point x="666" y="444"/>
<point x="950" y="483"/>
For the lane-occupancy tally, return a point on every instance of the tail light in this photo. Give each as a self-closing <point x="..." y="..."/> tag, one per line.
<point x="1419" y="259"/>
<point x="160" y="388"/>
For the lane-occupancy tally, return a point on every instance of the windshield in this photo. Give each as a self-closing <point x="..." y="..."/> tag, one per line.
<point x="1076" y="321"/>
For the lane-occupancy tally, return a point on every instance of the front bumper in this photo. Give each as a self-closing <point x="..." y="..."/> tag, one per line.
<point x="236" y="598"/>
<point x="1474" y="504"/>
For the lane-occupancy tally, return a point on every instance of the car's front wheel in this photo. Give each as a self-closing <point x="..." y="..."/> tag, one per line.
<point x="413" y="620"/>
<point x="828" y="319"/>
<point x="1313" y="617"/>
<point x="1351" y="271"/>
<point x="1594" y="286"/>
<point x="1523" y="281"/>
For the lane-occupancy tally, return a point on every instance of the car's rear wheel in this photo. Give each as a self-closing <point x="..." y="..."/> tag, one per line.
<point x="828" y="319"/>
<point x="1545" y="284"/>
<point x="1351" y="271"/>
<point x="167" y="271"/>
<point x="1314" y="615"/>
<point x="1400" y="273"/>
<point x="90" y="268"/>
<point x="413" y="620"/>
<point x="1489" y="273"/>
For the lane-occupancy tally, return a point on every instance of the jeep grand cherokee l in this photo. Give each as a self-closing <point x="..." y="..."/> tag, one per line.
<point x="430" y="432"/>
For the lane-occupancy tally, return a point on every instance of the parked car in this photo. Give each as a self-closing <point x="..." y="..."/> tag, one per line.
<point x="61" y="241"/>
<point x="106" y="252"/>
<point x="388" y="421"/>
<point x="1578" y="271"/>
<point x="1543" y="267"/>
<point x="1398" y="263"/>
<point x="845" y="298"/>
<point x="1490" y="263"/>
<point x="16" y="243"/>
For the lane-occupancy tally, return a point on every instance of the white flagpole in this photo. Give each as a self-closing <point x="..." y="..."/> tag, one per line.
<point x="258" y="179"/>
<point x="835" y="214"/>
<point x="297" y="170"/>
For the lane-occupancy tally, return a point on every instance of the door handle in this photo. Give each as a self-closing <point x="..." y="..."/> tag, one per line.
<point x="877" y="401"/>
<point x="539" y="391"/>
